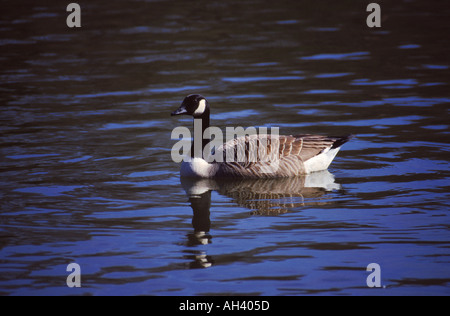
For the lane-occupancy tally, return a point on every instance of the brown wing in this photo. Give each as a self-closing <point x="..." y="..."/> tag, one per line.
<point x="307" y="146"/>
<point x="257" y="148"/>
<point x="269" y="156"/>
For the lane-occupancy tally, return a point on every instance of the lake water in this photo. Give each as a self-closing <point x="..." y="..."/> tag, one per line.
<point x="86" y="174"/>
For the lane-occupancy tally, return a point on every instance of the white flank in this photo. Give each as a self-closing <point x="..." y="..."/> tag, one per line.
<point x="321" y="161"/>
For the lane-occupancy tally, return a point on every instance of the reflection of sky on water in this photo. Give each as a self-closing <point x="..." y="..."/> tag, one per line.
<point x="86" y="175"/>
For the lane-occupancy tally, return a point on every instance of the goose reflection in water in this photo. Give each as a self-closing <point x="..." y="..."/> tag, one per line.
<point x="261" y="196"/>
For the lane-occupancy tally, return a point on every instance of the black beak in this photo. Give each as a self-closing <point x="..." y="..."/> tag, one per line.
<point x="181" y="110"/>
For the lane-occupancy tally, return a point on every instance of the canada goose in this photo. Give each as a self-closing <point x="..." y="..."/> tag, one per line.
<point x="295" y="154"/>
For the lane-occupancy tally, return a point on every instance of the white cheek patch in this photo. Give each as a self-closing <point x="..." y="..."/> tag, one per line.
<point x="201" y="107"/>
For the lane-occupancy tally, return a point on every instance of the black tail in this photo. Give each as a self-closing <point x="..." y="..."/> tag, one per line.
<point x="341" y="140"/>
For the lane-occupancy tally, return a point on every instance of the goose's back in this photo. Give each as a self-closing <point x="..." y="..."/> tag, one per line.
<point x="268" y="156"/>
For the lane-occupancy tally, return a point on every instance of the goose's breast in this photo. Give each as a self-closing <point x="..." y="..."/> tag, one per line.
<point x="197" y="168"/>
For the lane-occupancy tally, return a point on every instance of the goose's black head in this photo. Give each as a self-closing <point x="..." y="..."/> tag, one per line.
<point x="194" y="105"/>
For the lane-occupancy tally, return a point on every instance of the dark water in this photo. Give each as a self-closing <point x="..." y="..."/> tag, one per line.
<point x="85" y="168"/>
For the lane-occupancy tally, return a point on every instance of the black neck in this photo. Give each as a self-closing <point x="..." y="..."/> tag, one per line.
<point x="205" y="137"/>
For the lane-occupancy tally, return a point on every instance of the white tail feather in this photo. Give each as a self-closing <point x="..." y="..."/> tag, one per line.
<point x="321" y="161"/>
